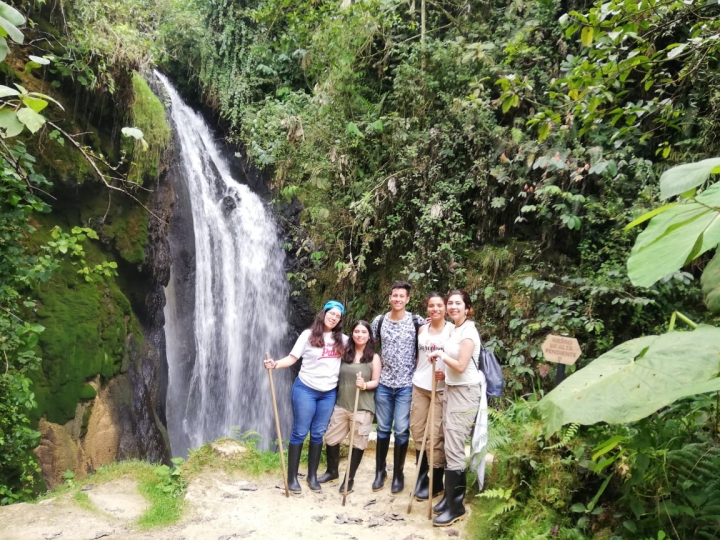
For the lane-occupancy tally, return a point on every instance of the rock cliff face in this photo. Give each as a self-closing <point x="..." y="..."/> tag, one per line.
<point x="125" y="417"/>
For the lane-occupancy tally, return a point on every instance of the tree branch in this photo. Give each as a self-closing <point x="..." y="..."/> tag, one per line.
<point x="100" y="174"/>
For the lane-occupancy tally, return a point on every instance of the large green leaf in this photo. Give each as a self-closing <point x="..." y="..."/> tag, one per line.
<point x="11" y="14"/>
<point x="635" y="379"/>
<point x="30" y="118"/>
<point x="676" y="237"/>
<point x="15" y="34"/>
<point x="10" y="126"/>
<point x="686" y="177"/>
<point x="710" y="281"/>
<point x="6" y="91"/>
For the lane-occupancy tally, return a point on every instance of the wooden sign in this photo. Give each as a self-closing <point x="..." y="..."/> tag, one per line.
<point x="561" y="350"/>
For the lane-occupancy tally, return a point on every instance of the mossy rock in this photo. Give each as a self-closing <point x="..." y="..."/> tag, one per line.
<point x="147" y="113"/>
<point x="129" y="230"/>
<point x="86" y="325"/>
<point x="87" y="392"/>
<point x="125" y="226"/>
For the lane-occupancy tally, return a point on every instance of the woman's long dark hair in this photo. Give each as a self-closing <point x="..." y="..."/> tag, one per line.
<point x="368" y="353"/>
<point x="317" y="328"/>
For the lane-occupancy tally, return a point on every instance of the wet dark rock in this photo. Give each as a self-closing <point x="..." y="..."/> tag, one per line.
<point x="228" y="204"/>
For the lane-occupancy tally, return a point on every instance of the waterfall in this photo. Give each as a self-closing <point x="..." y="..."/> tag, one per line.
<point x="227" y="299"/>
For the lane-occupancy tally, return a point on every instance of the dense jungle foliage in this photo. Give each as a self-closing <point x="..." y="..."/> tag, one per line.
<point x="500" y="146"/>
<point x="63" y="317"/>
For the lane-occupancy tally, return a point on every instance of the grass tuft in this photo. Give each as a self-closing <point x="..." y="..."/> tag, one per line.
<point x="252" y="461"/>
<point x="164" y="508"/>
<point x="83" y="501"/>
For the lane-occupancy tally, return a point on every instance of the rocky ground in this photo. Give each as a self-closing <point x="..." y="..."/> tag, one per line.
<point x="224" y="507"/>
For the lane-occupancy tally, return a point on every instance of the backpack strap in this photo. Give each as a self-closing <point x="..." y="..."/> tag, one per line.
<point x="417" y="330"/>
<point x="380" y="322"/>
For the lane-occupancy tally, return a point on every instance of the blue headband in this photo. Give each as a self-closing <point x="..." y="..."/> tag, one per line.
<point x="335" y="304"/>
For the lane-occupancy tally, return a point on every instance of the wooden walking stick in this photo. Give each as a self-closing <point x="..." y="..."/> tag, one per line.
<point x="422" y="452"/>
<point x="277" y="427"/>
<point x="352" y="436"/>
<point x="431" y="463"/>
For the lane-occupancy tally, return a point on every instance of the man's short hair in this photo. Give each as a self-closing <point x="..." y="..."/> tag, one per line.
<point x="401" y="285"/>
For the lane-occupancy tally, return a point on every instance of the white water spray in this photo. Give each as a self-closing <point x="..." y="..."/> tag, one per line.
<point x="216" y="339"/>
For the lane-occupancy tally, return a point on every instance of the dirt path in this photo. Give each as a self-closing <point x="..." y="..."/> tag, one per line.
<point x="224" y="507"/>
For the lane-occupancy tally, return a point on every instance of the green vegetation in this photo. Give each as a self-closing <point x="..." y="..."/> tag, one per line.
<point x="476" y="154"/>
<point x="164" y="486"/>
<point x="147" y="115"/>
<point x="251" y="461"/>
<point x="129" y="230"/>
<point x="20" y="270"/>
<point x="87" y="316"/>
<point x="509" y="148"/>
<point x="512" y="148"/>
<point x="84" y="336"/>
<point x="83" y="501"/>
<point x="165" y="505"/>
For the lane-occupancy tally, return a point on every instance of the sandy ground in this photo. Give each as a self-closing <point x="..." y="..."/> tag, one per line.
<point x="223" y="507"/>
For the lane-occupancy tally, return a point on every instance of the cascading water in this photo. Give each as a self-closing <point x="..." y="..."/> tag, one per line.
<point x="226" y="300"/>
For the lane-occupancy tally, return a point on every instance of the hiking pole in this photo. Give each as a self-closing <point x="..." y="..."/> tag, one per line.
<point x="277" y="427"/>
<point x="431" y="463"/>
<point x="352" y="436"/>
<point x="422" y="451"/>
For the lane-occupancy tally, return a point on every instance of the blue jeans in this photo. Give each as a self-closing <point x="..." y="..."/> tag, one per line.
<point x="392" y="407"/>
<point x="312" y="410"/>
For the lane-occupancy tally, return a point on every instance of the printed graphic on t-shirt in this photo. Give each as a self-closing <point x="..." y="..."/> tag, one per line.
<point x="430" y="347"/>
<point x="398" y="349"/>
<point x="329" y="352"/>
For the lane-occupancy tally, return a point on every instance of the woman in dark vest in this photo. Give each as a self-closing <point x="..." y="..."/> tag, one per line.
<point x="360" y="368"/>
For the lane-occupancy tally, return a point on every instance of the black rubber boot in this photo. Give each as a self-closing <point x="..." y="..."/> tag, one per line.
<point x="381" y="450"/>
<point x="438" y="473"/>
<point x="333" y="463"/>
<point x="398" y="481"/>
<point x="294" y="451"/>
<point x="422" y="486"/>
<point x="355" y="459"/>
<point x="440" y="507"/>
<point x="454" y="495"/>
<point x="314" y="452"/>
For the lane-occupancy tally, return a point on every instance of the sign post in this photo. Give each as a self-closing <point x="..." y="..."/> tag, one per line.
<point x="561" y="350"/>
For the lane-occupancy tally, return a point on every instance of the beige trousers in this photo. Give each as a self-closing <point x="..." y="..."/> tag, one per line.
<point x="459" y="412"/>
<point x="419" y="413"/>
<point x="340" y="424"/>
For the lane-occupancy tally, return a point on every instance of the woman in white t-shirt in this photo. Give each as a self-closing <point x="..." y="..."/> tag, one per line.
<point x="431" y="337"/>
<point x="461" y="403"/>
<point x="315" y="390"/>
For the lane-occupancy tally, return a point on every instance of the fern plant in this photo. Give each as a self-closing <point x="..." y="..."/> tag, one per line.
<point x="695" y="498"/>
<point x="506" y="501"/>
<point x="566" y="437"/>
